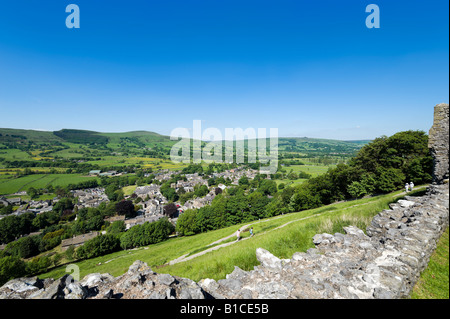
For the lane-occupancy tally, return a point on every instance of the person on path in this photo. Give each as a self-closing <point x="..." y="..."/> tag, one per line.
<point x="406" y="187"/>
<point x="251" y="232"/>
<point x="411" y="185"/>
<point x="238" y="235"/>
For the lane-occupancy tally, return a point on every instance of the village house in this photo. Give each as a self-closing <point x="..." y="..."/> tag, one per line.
<point x="141" y="220"/>
<point x="90" y="198"/>
<point x="153" y="206"/>
<point x="151" y="191"/>
<point x="3" y="201"/>
<point x="17" y="201"/>
<point x="78" y="240"/>
<point x="115" y="218"/>
<point x="39" y="207"/>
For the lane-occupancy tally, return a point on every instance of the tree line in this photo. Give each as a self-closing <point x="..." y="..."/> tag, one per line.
<point x="382" y="166"/>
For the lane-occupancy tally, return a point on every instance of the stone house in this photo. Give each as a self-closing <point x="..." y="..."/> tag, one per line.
<point x="77" y="241"/>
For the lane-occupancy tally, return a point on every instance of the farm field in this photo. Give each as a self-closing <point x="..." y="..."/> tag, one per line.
<point x="145" y="162"/>
<point x="12" y="184"/>
<point x="313" y="170"/>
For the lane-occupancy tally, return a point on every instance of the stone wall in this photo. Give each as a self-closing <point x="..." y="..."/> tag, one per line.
<point x="385" y="262"/>
<point x="438" y="142"/>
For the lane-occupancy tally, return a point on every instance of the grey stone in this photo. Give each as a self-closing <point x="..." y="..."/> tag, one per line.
<point x="165" y="279"/>
<point x="268" y="260"/>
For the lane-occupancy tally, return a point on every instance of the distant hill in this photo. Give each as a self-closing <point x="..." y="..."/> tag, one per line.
<point x="85" y="144"/>
<point x="81" y="137"/>
<point x="20" y="136"/>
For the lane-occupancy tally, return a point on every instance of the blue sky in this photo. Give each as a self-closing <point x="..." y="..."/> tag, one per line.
<point x="308" y="68"/>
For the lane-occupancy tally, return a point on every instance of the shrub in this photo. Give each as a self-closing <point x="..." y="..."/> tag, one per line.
<point x="146" y="234"/>
<point x="98" y="246"/>
<point x="187" y="223"/>
<point x="10" y="268"/>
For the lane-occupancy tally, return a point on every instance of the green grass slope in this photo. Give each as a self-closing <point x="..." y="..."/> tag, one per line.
<point x="282" y="235"/>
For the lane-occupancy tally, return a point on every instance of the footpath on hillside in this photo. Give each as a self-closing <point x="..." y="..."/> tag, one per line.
<point x="215" y="245"/>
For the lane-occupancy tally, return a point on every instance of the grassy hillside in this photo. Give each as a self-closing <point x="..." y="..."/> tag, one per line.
<point x="282" y="235"/>
<point x="17" y="135"/>
<point x="434" y="281"/>
<point x="140" y="141"/>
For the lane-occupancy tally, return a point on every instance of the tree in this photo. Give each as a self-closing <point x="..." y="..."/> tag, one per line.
<point x="257" y="204"/>
<point x="168" y="192"/>
<point x="62" y="205"/>
<point x="389" y="179"/>
<point x="243" y="181"/>
<point x="126" y="208"/>
<point x="33" y="193"/>
<point x="170" y="210"/>
<point x="6" y="210"/>
<point x="187" y="223"/>
<point x="356" y="190"/>
<point x="10" y="268"/>
<point x="116" y="227"/>
<point x="200" y="190"/>
<point x="98" y="246"/>
<point x="304" y="199"/>
<point x="267" y="187"/>
<point x="146" y="234"/>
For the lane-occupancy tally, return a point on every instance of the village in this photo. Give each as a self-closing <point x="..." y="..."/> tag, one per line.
<point x="150" y="204"/>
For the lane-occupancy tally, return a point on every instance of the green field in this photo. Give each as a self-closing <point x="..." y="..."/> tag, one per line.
<point x="313" y="170"/>
<point x="434" y="281"/>
<point x="13" y="184"/>
<point x="283" y="242"/>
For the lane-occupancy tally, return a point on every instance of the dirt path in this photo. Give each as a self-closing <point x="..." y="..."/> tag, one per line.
<point x="186" y="257"/>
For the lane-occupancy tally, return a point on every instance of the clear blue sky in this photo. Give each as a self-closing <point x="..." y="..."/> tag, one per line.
<point x="308" y="68"/>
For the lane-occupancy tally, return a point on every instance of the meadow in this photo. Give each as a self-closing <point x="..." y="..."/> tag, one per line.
<point x="10" y="184"/>
<point x="313" y="169"/>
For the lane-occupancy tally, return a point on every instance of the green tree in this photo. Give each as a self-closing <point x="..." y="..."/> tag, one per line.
<point x="10" y="268"/>
<point x="356" y="190"/>
<point x="187" y="223"/>
<point x="389" y="179"/>
<point x="116" y="227"/>
<point x="98" y="246"/>
<point x="33" y="193"/>
<point x="126" y="208"/>
<point x="267" y="187"/>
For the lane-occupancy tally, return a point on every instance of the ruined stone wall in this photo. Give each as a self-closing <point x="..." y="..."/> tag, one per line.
<point x="385" y="262"/>
<point x="438" y="142"/>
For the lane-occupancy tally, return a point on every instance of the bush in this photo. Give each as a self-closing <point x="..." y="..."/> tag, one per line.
<point x="10" y="268"/>
<point x="187" y="223"/>
<point x="38" y="265"/>
<point x="98" y="246"/>
<point x="146" y="234"/>
<point x="24" y="247"/>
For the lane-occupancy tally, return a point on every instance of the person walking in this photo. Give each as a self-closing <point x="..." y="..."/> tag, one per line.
<point x="251" y="232"/>
<point x="238" y="235"/>
<point x="406" y="187"/>
<point x="411" y="185"/>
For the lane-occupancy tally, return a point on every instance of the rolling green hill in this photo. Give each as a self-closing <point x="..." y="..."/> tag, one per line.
<point x="137" y="142"/>
<point x="83" y="150"/>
